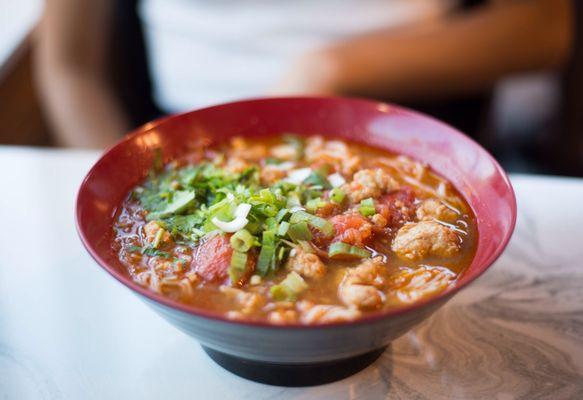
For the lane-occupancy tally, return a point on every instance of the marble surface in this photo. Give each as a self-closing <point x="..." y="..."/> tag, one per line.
<point x="69" y="331"/>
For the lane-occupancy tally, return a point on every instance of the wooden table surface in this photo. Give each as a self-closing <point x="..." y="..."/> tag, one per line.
<point x="68" y="331"/>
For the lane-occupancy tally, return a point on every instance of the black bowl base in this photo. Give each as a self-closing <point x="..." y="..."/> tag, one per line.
<point x="294" y="374"/>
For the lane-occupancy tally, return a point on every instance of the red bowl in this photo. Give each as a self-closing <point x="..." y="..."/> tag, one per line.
<point x="476" y="175"/>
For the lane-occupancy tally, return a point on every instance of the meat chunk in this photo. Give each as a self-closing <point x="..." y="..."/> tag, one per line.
<point x="331" y="152"/>
<point x="379" y="221"/>
<point x="409" y="285"/>
<point x="434" y="209"/>
<point x="240" y="148"/>
<point x="212" y="258"/>
<point x="397" y="207"/>
<point x="271" y="174"/>
<point x="328" y="209"/>
<point x="351" y="228"/>
<point x="323" y="313"/>
<point x="152" y="230"/>
<point x="308" y="265"/>
<point x="285" y="152"/>
<point x="359" y="288"/>
<point x="282" y="316"/>
<point x="415" y="241"/>
<point x="369" y="183"/>
<point x="247" y="302"/>
<point x="236" y="165"/>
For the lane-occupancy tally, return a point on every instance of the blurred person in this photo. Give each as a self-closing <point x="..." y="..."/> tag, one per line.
<point x="206" y="52"/>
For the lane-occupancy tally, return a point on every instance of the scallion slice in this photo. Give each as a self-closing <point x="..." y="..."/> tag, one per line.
<point x="340" y="249"/>
<point x="290" y="288"/>
<point x="242" y="240"/>
<point x="265" y="259"/>
<point x="238" y="264"/>
<point x="337" y="195"/>
<point x="367" y="207"/>
<point x="324" y="226"/>
<point x="283" y="228"/>
<point x="313" y="204"/>
<point x="299" y="231"/>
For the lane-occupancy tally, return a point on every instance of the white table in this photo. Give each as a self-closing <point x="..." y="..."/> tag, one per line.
<point x="69" y="331"/>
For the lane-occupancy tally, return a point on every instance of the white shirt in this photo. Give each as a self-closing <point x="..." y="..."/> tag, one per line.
<point x="204" y="52"/>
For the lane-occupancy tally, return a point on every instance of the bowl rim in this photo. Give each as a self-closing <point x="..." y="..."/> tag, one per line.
<point x="366" y="319"/>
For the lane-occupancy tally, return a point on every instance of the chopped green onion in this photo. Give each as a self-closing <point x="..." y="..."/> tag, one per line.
<point x="299" y="231"/>
<point x="242" y="240"/>
<point x="266" y="254"/>
<point x="238" y="265"/>
<point x="158" y="238"/>
<point x="282" y="253"/>
<point x="346" y="250"/>
<point x="181" y="199"/>
<point x="314" y="204"/>
<point x="306" y="246"/>
<point x="369" y="202"/>
<point x="283" y="228"/>
<point x="317" y="179"/>
<point x="289" y="288"/>
<point x="367" y="207"/>
<point x="324" y="226"/>
<point x="264" y="260"/>
<point x="281" y="214"/>
<point x="293" y="200"/>
<point x="337" y="195"/>
<point x="270" y="223"/>
<point x="300" y="216"/>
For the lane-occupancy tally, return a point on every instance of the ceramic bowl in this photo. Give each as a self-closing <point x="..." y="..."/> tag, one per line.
<point x="246" y="346"/>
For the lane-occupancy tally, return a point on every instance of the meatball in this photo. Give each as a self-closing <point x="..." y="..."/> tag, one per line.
<point x="270" y="175"/>
<point x="333" y="153"/>
<point x="285" y="152"/>
<point x="241" y="148"/>
<point x="282" y="316"/>
<point x="434" y="209"/>
<point x="246" y="301"/>
<point x="415" y="241"/>
<point x="397" y="207"/>
<point x="306" y="264"/>
<point x="379" y="221"/>
<point x="409" y="285"/>
<point x="359" y="288"/>
<point x="323" y="313"/>
<point x="369" y="183"/>
<point x="236" y="165"/>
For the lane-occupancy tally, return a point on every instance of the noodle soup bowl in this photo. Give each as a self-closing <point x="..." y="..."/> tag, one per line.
<point x="290" y="354"/>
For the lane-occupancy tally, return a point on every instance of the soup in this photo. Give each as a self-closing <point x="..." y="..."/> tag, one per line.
<point x="294" y="230"/>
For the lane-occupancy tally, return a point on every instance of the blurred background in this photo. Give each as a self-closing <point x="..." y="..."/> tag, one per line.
<point x="81" y="73"/>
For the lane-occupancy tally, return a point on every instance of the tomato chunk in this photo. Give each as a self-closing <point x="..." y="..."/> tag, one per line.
<point x="352" y="228"/>
<point x="212" y="258"/>
<point x="397" y="207"/>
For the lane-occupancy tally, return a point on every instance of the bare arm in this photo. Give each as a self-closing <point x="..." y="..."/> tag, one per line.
<point x="464" y="53"/>
<point x="71" y="71"/>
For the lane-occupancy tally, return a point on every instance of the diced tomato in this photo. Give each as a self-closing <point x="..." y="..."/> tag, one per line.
<point x="212" y="258"/>
<point x="397" y="207"/>
<point x="329" y="209"/>
<point x="352" y="229"/>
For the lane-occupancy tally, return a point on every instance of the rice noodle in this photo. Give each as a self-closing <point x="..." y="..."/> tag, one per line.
<point x="403" y="166"/>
